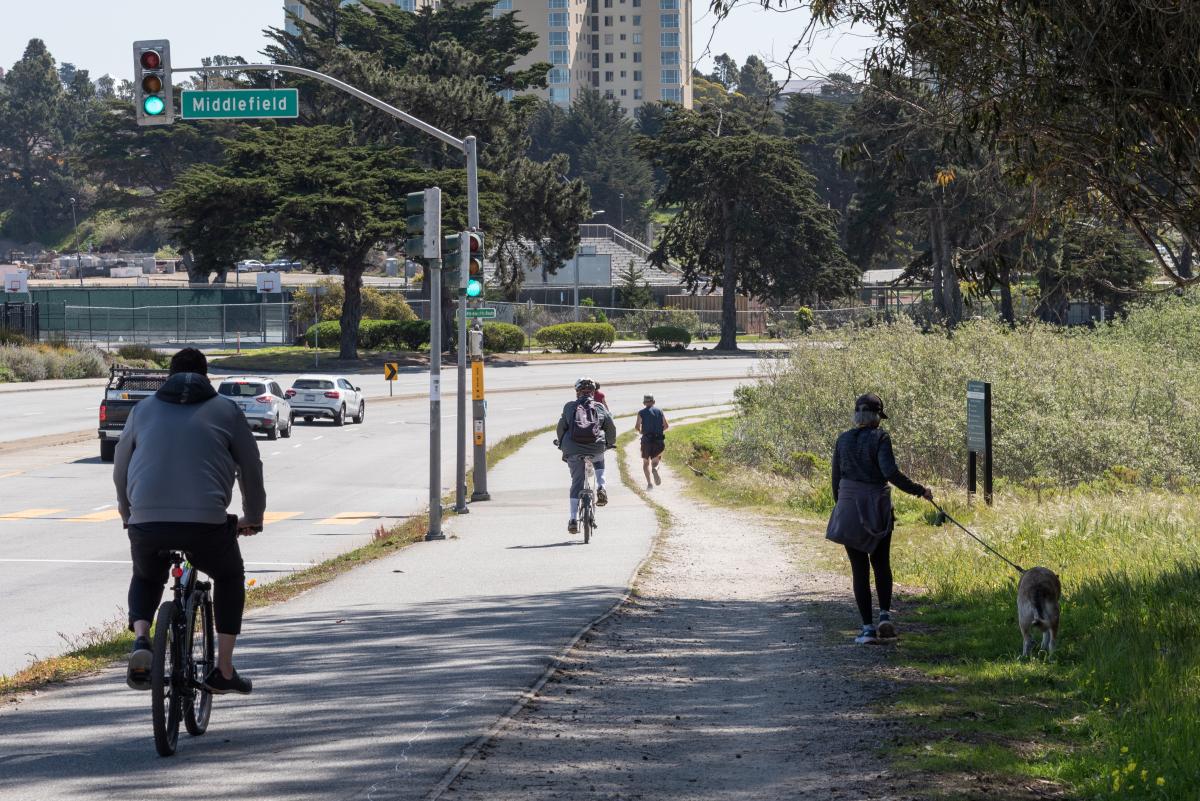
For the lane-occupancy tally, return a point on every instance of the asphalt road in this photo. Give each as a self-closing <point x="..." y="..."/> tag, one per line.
<point x="64" y="563"/>
<point x="44" y="413"/>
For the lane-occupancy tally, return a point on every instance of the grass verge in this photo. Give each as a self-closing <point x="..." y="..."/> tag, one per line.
<point x="1116" y="712"/>
<point x="296" y="359"/>
<point x="98" y="649"/>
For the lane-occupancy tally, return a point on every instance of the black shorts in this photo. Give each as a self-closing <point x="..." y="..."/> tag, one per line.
<point x="653" y="448"/>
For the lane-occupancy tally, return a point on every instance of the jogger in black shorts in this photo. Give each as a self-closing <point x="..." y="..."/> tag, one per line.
<point x="653" y="425"/>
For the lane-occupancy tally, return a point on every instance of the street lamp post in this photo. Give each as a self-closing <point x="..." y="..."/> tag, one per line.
<point x="595" y="213"/>
<point x="74" y="234"/>
<point x="621" y="213"/>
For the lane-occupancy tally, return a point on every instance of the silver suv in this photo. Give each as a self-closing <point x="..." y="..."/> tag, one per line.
<point x="329" y="396"/>
<point x="262" y="401"/>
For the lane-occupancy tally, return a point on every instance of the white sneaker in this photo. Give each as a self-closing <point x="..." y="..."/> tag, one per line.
<point x="868" y="636"/>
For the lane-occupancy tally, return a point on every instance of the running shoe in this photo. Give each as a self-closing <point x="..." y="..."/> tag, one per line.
<point x="217" y="684"/>
<point x="657" y="477"/>
<point x="137" y="675"/>
<point x="601" y="497"/>
<point x="572" y="527"/>
<point x="868" y="636"/>
<point x="886" y="628"/>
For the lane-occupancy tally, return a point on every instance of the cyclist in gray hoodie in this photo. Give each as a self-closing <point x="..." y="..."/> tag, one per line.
<point x="585" y="428"/>
<point x="178" y="456"/>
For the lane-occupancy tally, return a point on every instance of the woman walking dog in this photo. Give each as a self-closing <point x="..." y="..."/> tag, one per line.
<point x="862" y="518"/>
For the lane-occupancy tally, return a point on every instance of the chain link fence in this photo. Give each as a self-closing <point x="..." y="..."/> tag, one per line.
<point x="208" y="324"/>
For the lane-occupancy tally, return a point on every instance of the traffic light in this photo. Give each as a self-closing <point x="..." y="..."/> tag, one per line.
<point x="423" y="212"/>
<point x="474" y="265"/>
<point x="152" y="82"/>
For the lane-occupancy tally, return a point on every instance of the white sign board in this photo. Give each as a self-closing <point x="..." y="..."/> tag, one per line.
<point x="16" y="282"/>
<point x="269" y="283"/>
<point x="594" y="270"/>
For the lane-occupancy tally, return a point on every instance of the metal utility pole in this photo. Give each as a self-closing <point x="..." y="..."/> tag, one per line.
<point x="479" y="415"/>
<point x="460" y="464"/>
<point x="435" y="401"/>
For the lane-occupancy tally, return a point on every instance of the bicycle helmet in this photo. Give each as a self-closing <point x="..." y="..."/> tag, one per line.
<point x="585" y="384"/>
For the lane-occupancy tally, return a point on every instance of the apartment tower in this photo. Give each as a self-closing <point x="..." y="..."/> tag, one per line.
<point x="633" y="51"/>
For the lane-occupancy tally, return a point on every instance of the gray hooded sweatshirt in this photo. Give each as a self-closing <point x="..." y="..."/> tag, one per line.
<point x="180" y="453"/>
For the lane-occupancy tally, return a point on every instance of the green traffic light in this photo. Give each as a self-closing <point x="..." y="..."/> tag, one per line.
<point x="474" y="288"/>
<point x="153" y="105"/>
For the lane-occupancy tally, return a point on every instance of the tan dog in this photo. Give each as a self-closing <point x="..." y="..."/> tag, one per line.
<point x="1038" y="594"/>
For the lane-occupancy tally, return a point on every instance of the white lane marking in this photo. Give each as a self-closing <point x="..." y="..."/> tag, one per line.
<point x="31" y="414"/>
<point x="126" y="562"/>
<point x="322" y="436"/>
<point x="276" y="453"/>
<point x="295" y="446"/>
<point x="98" y="508"/>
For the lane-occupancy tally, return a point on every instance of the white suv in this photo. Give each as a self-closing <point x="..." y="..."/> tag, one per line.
<point x="327" y="396"/>
<point x="262" y="401"/>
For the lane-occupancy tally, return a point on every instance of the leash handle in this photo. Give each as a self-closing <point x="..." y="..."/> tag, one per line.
<point x="969" y="533"/>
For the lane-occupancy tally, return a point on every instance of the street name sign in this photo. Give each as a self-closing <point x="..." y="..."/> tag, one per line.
<point x="239" y="104"/>
<point x="485" y="312"/>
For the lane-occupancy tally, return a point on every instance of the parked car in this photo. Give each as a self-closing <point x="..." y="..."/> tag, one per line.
<point x="250" y="266"/>
<point x="283" y="265"/>
<point x="126" y="386"/>
<point x="262" y="401"/>
<point x="328" y="396"/>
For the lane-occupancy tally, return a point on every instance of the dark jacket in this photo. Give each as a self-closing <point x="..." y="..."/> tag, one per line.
<point x="179" y="454"/>
<point x="865" y="455"/>
<point x="863" y="464"/>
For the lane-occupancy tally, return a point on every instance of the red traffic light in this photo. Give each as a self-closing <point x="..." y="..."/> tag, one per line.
<point x="476" y="242"/>
<point x="151" y="60"/>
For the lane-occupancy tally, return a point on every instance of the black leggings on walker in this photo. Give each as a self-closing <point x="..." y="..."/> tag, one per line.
<point x="862" y="563"/>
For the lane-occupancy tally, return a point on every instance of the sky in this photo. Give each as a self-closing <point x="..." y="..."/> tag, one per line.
<point x="97" y="35"/>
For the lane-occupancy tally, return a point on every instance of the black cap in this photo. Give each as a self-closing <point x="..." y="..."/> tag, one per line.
<point x="870" y="403"/>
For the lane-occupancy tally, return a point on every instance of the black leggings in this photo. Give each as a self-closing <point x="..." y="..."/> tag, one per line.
<point x="861" y="563"/>
<point x="213" y="549"/>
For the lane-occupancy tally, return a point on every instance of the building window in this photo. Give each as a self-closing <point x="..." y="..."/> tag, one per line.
<point x="608" y="22"/>
<point x="608" y="76"/>
<point x="558" y="3"/>
<point x="608" y="3"/>
<point x="637" y="38"/>
<point x="501" y="5"/>
<point x="624" y="93"/>
<point x="670" y="58"/>
<point x="637" y="3"/>
<point x="637" y="20"/>
<point x="595" y="61"/>
<point x="623" y="73"/>
<point x="637" y="94"/>
<point x="507" y="94"/>
<point x="608" y="38"/>
<point x="608" y="94"/>
<point x="622" y="19"/>
<point x="560" y="19"/>
<point x="560" y="96"/>
<point x="668" y="39"/>
<point x="407" y="5"/>
<point x="559" y="75"/>
<point x="637" y="75"/>
<point x="670" y="76"/>
<point x="637" y="58"/>
<point x="558" y="39"/>
<point x="622" y="56"/>
<point x="674" y="95"/>
<point x="669" y="20"/>
<point x="561" y="57"/>
<point x="608" y="58"/>
<point x="622" y="39"/>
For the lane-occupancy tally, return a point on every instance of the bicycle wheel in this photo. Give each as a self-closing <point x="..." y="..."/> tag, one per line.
<point x="164" y="691"/>
<point x="586" y="518"/>
<point x="202" y="652"/>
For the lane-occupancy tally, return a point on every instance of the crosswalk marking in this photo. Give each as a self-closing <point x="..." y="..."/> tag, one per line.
<point x="348" y="518"/>
<point x="96" y="517"/>
<point x="28" y="514"/>
<point x="275" y="517"/>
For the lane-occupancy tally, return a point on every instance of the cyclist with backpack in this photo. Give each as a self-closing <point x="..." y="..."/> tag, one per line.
<point x="585" y="428"/>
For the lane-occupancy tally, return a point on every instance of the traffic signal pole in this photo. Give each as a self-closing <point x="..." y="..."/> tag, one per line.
<point x="467" y="147"/>
<point x="460" y="464"/>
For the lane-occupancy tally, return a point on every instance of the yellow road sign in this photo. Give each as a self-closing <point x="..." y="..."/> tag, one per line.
<point x="476" y="380"/>
<point x="391" y="370"/>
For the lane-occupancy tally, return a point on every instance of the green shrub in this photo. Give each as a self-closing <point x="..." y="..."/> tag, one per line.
<point x="12" y="338"/>
<point x="669" y="337"/>
<point x="7" y="376"/>
<point x="373" y="334"/>
<point x="639" y="322"/>
<point x="25" y="363"/>
<point x="88" y="363"/>
<point x="577" y="337"/>
<point x="502" y="338"/>
<point x="805" y="319"/>
<point x="1068" y="405"/>
<point x="140" y="352"/>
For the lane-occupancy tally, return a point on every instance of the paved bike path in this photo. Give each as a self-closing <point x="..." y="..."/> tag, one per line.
<point x="370" y="686"/>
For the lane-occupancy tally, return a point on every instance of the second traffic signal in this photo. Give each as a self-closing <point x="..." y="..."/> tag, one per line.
<point x="474" y="265"/>
<point x="423" y="212"/>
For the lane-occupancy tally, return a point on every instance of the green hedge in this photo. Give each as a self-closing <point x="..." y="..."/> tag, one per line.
<point x="502" y="338"/>
<point x="577" y="337"/>
<point x="669" y="337"/>
<point x="373" y="334"/>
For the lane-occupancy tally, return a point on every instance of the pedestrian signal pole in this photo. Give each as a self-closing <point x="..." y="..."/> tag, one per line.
<point x="460" y="465"/>
<point x="478" y="415"/>
<point x="424" y="223"/>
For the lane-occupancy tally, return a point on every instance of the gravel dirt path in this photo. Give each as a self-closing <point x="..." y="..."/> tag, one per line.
<point x="727" y="675"/>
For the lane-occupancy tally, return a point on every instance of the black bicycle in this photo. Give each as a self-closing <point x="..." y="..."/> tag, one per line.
<point x="185" y="647"/>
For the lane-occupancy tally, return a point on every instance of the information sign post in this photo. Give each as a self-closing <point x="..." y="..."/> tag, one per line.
<point x="979" y="437"/>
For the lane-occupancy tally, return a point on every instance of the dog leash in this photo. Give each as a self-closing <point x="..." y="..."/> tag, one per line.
<point x="943" y="516"/>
